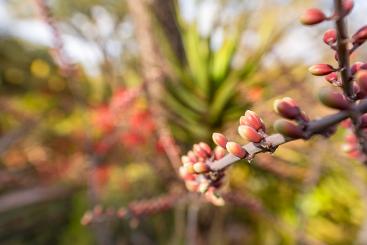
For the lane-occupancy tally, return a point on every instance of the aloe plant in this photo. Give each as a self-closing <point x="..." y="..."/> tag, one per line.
<point x="204" y="94"/>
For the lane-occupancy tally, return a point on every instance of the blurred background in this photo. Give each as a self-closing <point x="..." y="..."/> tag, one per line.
<point x="99" y="98"/>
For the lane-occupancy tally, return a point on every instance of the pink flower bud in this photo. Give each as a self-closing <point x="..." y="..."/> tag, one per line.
<point x="249" y="134"/>
<point x="219" y="152"/>
<point x="321" y="69"/>
<point x="332" y="78"/>
<point x="329" y="36"/>
<point x="236" y="149"/>
<point x="364" y="121"/>
<point x="361" y="78"/>
<point x="252" y="120"/>
<point x="360" y="94"/>
<point x="356" y="67"/>
<point x="186" y="159"/>
<point x="288" y="129"/>
<point x="333" y="99"/>
<point x="184" y="174"/>
<point x="348" y="6"/>
<point x="206" y="148"/>
<point x="287" y="108"/>
<point x="189" y="168"/>
<point x="312" y="16"/>
<point x="199" y="151"/>
<point x="360" y="36"/>
<point x="351" y="138"/>
<point x="200" y="167"/>
<point x="213" y="197"/>
<point x="191" y="155"/>
<point x="220" y="140"/>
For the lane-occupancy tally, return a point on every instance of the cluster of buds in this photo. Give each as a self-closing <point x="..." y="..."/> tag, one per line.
<point x="352" y="79"/>
<point x="352" y="146"/>
<point x="135" y="209"/>
<point x="295" y="121"/>
<point x="198" y="176"/>
<point x="251" y="128"/>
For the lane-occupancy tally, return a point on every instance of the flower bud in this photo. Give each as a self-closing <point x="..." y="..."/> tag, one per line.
<point x="348" y="6"/>
<point x="332" y="78"/>
<point x="360" y="36"/>
<point x="219" y="139"/>
<point x="361" y="78"/>
<point x="186" y="159"/>
<point x="312" y="16"/>
<point x="185" y="174"/>
<point x="219" y="152"/>
<point x="333" y="99"/>
<point x="236" y="149"/>
<point x="252" y="120"/>
<point x="189" y="168"/>
<point x="200" y="167"/>
<point x="191" y="155"/>
<point x="199" y="151"/>
<point x="249" y="134"/>
<point x="206" y="148"/>
<point x="364" y="121"/>
<point x="356" y="67"/>
<point x="287" y="108"/>
<point x="213" y="197"/>
<point x="360" y="94"/>
<point x="288" y="129"/>
<point x="321" y="69"/>
<point x="329" y="36"/>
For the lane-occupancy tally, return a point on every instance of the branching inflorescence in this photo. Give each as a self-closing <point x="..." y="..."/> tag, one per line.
<point x="203" y="168"/>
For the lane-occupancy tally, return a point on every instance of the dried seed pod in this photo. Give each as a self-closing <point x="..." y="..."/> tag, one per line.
<point x="219" y="139"/>
<point x="249" y="134"/>
<point x="333" y="99"/>
<point x="236" y="149"/>
<point x="288" y="128"/>
<point x="329" y="37"/>
<point x="252" y="120"/>
<point x="287" y="108"/>
<point x="200" y="167"/>
<point x="321" y="69"/>
<point x="312" y="16"/>
<point x="361" y="79"/>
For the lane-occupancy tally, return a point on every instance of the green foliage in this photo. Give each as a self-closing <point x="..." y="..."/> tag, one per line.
<point x="205" y="94"/>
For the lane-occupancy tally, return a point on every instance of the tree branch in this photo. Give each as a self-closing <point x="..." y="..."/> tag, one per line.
<point x="313" y="128"/>
<point x="346" y="78"/>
